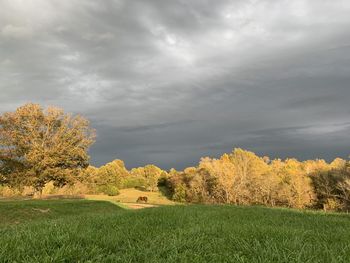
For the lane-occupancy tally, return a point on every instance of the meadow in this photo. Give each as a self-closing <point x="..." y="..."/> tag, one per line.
<point x="100" y="231"/>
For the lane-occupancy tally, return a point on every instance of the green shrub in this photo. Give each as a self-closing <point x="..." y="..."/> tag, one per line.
<point x="133" y="182"/>
<point x="180" y="193"/>
<point x="110" y="190"/>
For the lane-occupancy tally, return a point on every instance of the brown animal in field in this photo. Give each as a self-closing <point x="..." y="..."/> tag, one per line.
<point x="30" y="194"/>
<point x="142" y="199"/>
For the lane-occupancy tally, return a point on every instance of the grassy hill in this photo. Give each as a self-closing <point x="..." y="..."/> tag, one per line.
<point x="96" y="231"/>
<point x="26" y="211"/>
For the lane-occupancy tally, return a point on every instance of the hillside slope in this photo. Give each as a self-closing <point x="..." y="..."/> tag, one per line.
<point x="179" y="234"/>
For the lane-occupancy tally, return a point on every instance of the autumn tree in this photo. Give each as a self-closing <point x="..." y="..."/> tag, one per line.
<point x="194" y="184"/>
<point x="176" y="185"/>
<point x="332" y="186"/>
<point x="249" y="169"/>
<point x="40" y="145"/>
<point x="109" y="177"/>
<point x="242" y="177"/>
<point x="151" y="174"/>
<point x="296" y="188"/>
<point x="313" y="167"/>
<point x="339" y="163"/>
<point x="344" y="186"/>
<point x="201" y="185"/>
<point x="222" y="172"/>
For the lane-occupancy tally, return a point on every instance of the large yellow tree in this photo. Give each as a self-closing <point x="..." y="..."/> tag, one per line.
<point x="151" y="174"/>
<point x="39" y="145"/>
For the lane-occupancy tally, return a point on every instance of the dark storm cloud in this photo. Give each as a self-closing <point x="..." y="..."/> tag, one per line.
<point x="167" y="82"/>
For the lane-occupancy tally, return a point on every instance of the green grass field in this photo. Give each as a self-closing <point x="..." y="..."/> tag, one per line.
<point x="97" y="231"/>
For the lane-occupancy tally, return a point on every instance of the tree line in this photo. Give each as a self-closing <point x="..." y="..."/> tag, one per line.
<point x="46" y="151"/>
<point x="243" y="178"/>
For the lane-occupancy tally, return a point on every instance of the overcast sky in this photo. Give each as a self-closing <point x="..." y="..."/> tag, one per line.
<point x="167" y="81"/>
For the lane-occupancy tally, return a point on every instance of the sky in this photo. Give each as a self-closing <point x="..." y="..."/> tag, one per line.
<point x="170" y="81"/>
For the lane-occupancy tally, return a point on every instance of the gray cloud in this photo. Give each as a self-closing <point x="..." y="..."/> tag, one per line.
<point x="167" y="82"/>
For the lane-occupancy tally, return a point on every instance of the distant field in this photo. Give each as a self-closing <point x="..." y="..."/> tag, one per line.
<point x="95" y="231"/>
<point x="128" y="197"/>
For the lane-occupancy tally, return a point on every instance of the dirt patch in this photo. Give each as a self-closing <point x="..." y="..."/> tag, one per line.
<point x="44" y="211"/>
<point x="139" y="206"/>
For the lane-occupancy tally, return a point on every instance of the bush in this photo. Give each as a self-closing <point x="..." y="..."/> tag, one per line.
<point x="77" y="188"/>
<point x="110" y="190"/>
<point x="133" y="182"/>
<point x="48" y="189"/>
<point x="332" y="204"/>
<point x="180" y="193"/>
<point x="6" y="191"/>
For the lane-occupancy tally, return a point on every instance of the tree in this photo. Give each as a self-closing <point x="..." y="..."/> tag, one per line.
<point x="332" y="186"/>
<point x="312" y="167"/>
<point x="338" y="163"/>
<point x="296" y="184"/>
<point x="249" y="169"/>
<point x="223" y="171"/>
<point x="109" y="178"/>
<point x="151" y="174"/>
<point x="38" y="146"/>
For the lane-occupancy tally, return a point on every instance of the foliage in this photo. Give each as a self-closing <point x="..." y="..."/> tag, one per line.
<point x="333" y="187"/>
<point x="242" y="177"/>
<point x="110" y="176"/>
<point x="151" y="174"/>
<point x="38" y="146"/>
<point x="179" y="193"/>
<point x="134" y="182"/>
<point x="109" y="190"/>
